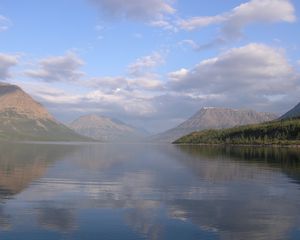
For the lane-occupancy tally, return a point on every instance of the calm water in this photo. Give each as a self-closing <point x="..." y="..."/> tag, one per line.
<point x="148" y="192"/>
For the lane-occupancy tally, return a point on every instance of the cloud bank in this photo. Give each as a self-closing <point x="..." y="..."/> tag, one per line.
<point x="255" y="67"/>
<point x="254" y="76"/>
<point x="254" y="11"/>
<point x="58" y="69"/>
<point x="235" y="21"/>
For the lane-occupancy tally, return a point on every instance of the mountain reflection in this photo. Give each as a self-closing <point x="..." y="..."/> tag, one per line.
<point x="262" y="210"/>
<point x="286" y="160"/>
<point x="20" y="164"/>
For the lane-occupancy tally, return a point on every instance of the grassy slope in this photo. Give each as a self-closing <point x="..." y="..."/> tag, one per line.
<point x="285" y="132"/>
<point x="14" y="127"/>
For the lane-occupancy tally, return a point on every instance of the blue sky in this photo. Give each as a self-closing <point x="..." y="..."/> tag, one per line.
<point x="152" y="63"/>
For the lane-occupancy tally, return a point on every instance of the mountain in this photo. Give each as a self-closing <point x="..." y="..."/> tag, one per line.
<point x="293" y="113"/>
<point x="278" y="132"/>
<point x="22" y="118"/>
<point x="106" y="129"/>
<point x="213" y="118"/>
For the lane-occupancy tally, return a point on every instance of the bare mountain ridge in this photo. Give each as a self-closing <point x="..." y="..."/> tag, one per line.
<point x="105" y="129"/>
<point x="214" y="118"/>
<point x="13" y="98"/>
<point x="22" y="118"/>
<point x="293" y="113"/>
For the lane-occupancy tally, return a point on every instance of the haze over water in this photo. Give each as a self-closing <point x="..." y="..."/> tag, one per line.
<point x="103" y="191"/>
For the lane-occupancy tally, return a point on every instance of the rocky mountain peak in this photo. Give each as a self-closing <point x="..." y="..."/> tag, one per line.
<point x="14" y="100"/>
<point x="22" y="118"/>
<point x="214" y="118"/>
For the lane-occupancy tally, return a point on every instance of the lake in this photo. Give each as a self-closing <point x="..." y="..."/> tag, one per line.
<point x="132" y="192"/>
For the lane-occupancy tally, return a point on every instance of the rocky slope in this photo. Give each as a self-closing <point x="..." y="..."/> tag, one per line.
<point x="22" y="118"/>
<point x="105" y="129"/>
<point x="14" y="99"/>
<point x="213" y="118"/>
<point x="293" y="113"/>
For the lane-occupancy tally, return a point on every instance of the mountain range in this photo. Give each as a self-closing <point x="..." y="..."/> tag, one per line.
<point x="213" y="118"/>
<point x="22" y="118"/>
<point x="106" y="129"/>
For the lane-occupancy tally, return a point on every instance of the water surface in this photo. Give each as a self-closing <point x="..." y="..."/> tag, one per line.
<point x="103" y="191"/>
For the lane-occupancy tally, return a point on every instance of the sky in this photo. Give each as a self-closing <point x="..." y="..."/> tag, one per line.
<point x="152" y="63"/>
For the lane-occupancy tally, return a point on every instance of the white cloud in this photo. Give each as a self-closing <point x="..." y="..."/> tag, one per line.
<point x="134" y="9"/>
<point x="131" y="102"/>
<point x="128" y="95"/>
<point x="252" y="74"/>
<point x="164" y="24"/>
<point x="108" y="83"/>
<point x="254" y="11"/>
<point x="145" y="63"/>
<point x="57" y="96"/>
<point x="198" y="47"/>
<point x="146" y="82"/>
<point x="5" y="23"/>
<point x="47" y="93"/>
<point x="7" y="61"/>
<point x="178" y="75"/>
<point x="140" y="76"/>
<point x="199" y="22"/>
<point x="189" y="42"/>
<point x="59" y="68"/>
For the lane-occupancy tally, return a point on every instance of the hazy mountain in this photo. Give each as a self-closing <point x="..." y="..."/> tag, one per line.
<point x="213" y="118"/>
<point x="22" y="118"/>
<point x="106" y="129"/>
<point x="293" y="113"/>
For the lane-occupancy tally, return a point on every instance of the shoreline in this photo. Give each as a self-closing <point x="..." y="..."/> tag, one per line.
<point x="240" y="145"/>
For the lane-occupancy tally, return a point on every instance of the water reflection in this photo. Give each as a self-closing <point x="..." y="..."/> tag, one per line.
<point x="144" y="218"/>
<point x="286" y="160"/>
<point x="20" y="164"/>
<point x="148" y="192"/>
<point x="263" y="206"/>
<point x="4" y="220"/>
<point x="57" y="218"/>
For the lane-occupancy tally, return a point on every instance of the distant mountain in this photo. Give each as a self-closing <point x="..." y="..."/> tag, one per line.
<point x="106" y="129"/>
<point x="213" y="118"/>
<point x="293" y="113"/>
<point x="22" y="118"/>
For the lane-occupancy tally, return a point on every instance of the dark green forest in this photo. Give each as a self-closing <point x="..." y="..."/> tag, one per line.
<point x="284" y="132"/>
